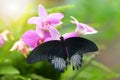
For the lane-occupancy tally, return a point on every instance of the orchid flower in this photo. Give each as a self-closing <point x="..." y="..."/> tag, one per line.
<point x="6" y="33"/>
<point x="3" y="37"/>
<point x="45" y="28"/>
<point x="44" y="19"/>
<point x="34" y="38"/>
<point x="83" y="29"/>
<point x="20" y="46"/>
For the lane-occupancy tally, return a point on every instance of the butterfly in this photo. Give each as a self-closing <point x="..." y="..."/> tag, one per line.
<point x="61" y="53"/>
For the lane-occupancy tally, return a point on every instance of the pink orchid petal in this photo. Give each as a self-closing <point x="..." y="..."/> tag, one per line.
<point x="48" y="39"/>
<point x="39" y="31"/>
<point x="46" y="34"/>
<point x="80" y="29"/>
<point x="42" y="32"/>
<point x="89" y="30"/>
<point x="42" y="12"/>
<point x="58" y="16"/>
<point x="85" y="29"/>
<point x="15" y="46"/>
<point x="31" y="38"/>
<point x="1" y="42"/>
<point x="54" y="19"/>
<point x="58" y="23"/>
<point x="68" y="35"/>
<point x="54" y="22"/>
<point x="35" y="20"/>
<point x="21" y="45"/>
<point x="54" y="33"/>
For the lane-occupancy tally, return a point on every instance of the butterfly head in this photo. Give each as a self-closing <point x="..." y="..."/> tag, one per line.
<point x="62" y="38"/>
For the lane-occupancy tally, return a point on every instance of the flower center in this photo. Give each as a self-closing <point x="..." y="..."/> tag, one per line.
<point x="46" y="23"/>
<point x="41" y="41"/>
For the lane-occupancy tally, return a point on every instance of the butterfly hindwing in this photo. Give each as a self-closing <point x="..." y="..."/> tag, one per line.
<point x="59" y="64"/>
<point x="76" y="61"/>
<point x="47" y="51"/>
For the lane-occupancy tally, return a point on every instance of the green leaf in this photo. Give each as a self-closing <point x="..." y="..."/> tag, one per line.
<point x="8" y="69"/>
<point x="13" y="77"/>
<point x="38" y="77"/>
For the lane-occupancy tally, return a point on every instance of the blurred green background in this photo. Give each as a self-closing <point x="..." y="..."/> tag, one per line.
<point x="103" y="15"/>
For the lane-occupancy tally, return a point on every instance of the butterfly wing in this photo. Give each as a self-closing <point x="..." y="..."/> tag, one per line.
<point x="82" y="45"/>
<point x="46" y="51"/>
<point x="52" y="51"/>
<point x="77" y="46"/>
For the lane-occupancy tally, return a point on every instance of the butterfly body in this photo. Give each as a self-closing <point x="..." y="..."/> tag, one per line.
<point x="62" y="52"/>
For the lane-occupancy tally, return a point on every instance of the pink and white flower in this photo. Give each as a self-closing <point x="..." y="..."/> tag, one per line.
<point x="20" y="46"/>
<point x="34" y="38"/>
<point x="3" y="37"/>
<point x="45" y="28"/>
<point x="82" y="29"/>
<point x="44" y="19"/>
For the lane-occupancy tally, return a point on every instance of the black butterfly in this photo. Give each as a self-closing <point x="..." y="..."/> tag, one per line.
<point x="62" y="52"/>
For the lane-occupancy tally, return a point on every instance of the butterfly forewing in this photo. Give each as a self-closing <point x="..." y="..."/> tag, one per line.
<point x="47" y="51"/>
<point x="82" y="45"/>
